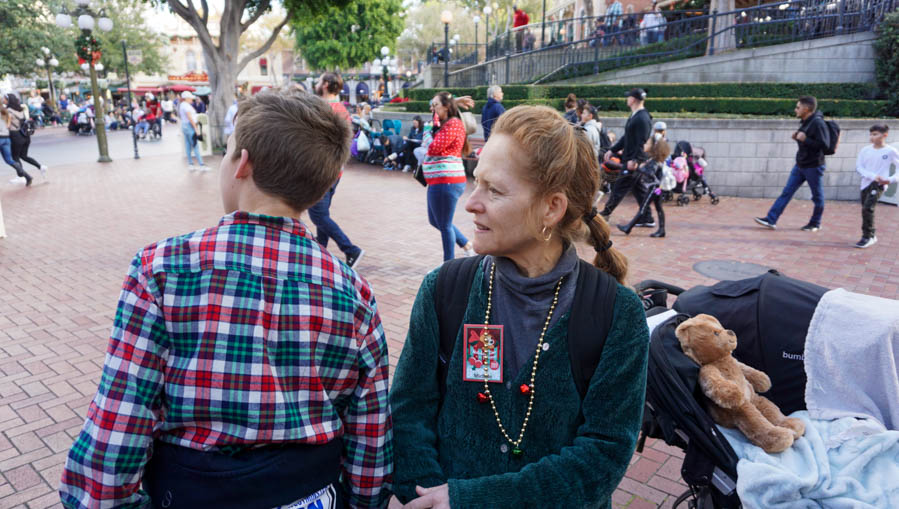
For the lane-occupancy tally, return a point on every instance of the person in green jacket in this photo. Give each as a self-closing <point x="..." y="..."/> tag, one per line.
<point x="525" y="438"/>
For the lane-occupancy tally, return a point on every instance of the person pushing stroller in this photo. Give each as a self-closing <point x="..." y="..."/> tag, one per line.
<point x="637" y="131"/>
<point x="649" y="176"/>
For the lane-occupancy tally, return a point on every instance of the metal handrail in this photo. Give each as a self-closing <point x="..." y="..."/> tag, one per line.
<point x="777" y="23"/>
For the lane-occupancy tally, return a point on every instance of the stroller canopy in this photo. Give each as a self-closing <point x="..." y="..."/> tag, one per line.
<point x="361" y="89"/>
<point x="770" y="315"/>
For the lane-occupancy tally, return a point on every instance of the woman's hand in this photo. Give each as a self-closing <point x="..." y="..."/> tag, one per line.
<point x="465" y="102"/>
<point x="436" y="497"/>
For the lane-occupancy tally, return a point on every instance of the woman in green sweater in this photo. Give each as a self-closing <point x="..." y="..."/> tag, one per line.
<point x="509" y="427"/>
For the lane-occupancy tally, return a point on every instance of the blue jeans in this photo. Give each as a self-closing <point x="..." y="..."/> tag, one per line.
<point x="442" y="199"/>
<point x="797" y="176"/>
<point x="142" y="127"/>
<point x="6" y="150"/>
<point x="325" y="227"/>
<point x="189" y="144"/>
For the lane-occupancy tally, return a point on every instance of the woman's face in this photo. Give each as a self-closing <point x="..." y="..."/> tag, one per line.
<point x="438" y="108"/>
<point x="502" y="201"/>
<point x="416" y="124"/>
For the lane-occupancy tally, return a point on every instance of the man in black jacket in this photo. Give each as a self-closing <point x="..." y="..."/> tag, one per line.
<point x="636" y="131"/>
<point x="812" y="137"/>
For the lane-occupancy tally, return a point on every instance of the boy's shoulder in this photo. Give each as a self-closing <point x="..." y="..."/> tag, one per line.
<point x="290" y="253"/>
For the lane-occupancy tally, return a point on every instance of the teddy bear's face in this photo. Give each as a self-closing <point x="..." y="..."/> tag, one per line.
<point x="704" y="340"/>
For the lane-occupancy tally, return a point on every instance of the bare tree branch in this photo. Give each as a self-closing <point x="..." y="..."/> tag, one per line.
<point x="189" y="14"/>
<point x="259" y="12"/>
<point x="205" y="11"/>
<point x="268" y="44"/>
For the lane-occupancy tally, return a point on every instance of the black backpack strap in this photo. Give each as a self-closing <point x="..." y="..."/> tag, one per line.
<point x="589" y="322"/>
<point x="451" y="300"/>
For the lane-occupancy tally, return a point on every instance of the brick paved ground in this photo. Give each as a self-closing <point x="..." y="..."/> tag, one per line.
<point x="70" y="242"/>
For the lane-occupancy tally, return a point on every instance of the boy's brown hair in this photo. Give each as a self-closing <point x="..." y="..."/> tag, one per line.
<point x="296" y="142"/>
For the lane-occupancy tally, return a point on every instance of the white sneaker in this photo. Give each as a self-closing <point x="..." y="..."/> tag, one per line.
<point x="468" y="249"/>
<point x="203" y="168"/>
<point x="191" y="167"/>
<point x="44" y="171"/>
<point x="17" y="180"/>
<point x="406" y="168"/>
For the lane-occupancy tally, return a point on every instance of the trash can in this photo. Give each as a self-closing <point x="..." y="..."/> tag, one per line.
<point x="891" y="195"/>
<point x="206" y="144"/>
<point x="2" y="229"/>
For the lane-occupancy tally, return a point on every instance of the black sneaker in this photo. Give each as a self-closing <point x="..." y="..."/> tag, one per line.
<point x="866" y="242"/>
<point x="811" y="227"/>
<point x="646" y="224"/>
<point x="764" y="222"/>
<point x="353" y="259"/>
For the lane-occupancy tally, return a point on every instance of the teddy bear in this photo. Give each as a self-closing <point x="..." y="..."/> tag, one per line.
<point x="731" y="386"/>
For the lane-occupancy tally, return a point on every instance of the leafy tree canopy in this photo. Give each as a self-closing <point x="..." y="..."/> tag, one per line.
<point x="27" y="26"/>
<point x="343" y="38"/>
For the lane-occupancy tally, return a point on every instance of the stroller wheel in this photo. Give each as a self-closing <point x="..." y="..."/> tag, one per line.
<point x="715" y="200"/>
<point x="696" y="196"/>
<point x="682" y="200"/>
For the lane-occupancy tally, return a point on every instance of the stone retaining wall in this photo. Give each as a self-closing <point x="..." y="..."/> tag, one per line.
<point x="750" y="158"/>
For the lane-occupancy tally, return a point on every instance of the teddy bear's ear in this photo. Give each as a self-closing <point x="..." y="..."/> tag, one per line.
<point x="682" y="329"/>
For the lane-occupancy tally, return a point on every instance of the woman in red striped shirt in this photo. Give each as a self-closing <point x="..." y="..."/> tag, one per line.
<point x="445" y="173"/>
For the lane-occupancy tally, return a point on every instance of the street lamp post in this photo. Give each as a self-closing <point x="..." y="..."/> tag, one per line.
<point x="86" y="46"/>
<point x="487" y="11"/>
<point x="477" y="56"/>
<point x="446" y="17"/>
<point x="49" y="64"/>
<point x="385" y="69"/>
<point x="543" y="28"/>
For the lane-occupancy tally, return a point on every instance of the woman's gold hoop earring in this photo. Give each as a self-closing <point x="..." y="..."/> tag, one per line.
<point x="545" y="236"/>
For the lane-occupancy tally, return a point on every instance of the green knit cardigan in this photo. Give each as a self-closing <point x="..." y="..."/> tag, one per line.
<point x="574" y="455"/>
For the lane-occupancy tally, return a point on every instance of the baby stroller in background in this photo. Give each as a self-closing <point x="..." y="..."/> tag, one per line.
<point x="770" y="315"/>
<point x="364" y="137"/>
<point x="82" y="123"/>
<point x="690" y="174"/>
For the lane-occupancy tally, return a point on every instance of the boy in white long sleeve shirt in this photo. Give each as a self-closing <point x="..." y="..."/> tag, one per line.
<point x="873" y="164"/>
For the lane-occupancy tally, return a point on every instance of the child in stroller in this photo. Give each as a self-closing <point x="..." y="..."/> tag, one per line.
<point x="694" y="161"/>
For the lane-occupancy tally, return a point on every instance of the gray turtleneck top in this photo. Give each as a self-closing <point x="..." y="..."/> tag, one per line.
<point x="520" y="304"/>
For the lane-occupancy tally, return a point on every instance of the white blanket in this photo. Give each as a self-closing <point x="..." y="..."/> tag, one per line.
<point x="846" y="463"/>
<point x="851" y="358"/>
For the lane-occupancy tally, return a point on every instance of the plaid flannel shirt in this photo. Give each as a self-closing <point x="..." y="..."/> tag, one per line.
<point x="245" y="333"/>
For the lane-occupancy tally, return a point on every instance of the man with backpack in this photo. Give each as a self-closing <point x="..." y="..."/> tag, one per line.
<point x="816" y="138"/>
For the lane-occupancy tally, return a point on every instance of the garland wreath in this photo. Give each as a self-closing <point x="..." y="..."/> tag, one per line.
<point x="88" y="48"/>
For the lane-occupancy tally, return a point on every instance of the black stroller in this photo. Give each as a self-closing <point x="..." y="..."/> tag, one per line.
<point x="695" y="183"/>
<point x="770" y="315"/>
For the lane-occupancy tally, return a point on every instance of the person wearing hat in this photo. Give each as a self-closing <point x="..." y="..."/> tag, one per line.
<point x="630" y="146"/>
<point x="188" y="116"/>
<point x="661" y="128"/>
<point x="593" y="128"/>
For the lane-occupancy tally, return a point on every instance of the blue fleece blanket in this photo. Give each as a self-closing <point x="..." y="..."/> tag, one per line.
<point x="844" y="463"/>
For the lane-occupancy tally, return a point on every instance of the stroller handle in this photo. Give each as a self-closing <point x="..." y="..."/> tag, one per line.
<point x="648" y="284"/>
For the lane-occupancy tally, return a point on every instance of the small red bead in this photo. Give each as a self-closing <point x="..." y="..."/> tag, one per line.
<point x="482" y="398"/>
<point x="525" y="389"/>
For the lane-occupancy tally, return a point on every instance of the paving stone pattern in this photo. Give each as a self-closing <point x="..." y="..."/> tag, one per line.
<point x="70" y="242"/>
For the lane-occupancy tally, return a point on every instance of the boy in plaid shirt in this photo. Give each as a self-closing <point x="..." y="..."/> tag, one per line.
<point x="247" y="366"/>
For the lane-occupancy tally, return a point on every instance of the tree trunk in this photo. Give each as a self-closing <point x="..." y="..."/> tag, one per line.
<point x="222" y="59"/>
<point x="222" y="80"/>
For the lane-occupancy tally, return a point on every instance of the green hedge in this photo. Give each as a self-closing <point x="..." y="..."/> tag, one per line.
<point x="731" y="105"/>
<point x="851" y="91"/>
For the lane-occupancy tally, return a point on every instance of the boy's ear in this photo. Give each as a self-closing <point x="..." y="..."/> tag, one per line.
<point x="244" y="165"/>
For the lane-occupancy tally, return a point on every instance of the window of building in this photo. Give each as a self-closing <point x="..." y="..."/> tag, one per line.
<point x="191" y="59"/>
